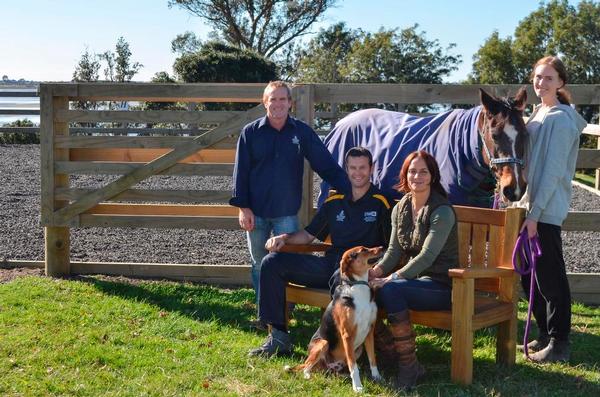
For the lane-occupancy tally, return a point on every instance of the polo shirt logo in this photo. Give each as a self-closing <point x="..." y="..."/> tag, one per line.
<point x="370" y="216"/>
<point x="341" y="216"/>
<point x="296" y="142"/>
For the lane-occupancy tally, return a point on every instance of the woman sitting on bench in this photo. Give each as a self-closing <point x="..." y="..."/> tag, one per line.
<point x="424" y="242"/>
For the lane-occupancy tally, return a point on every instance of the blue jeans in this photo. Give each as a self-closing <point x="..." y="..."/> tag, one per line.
<point x="417" y="294"/>
<point x="279" y="268"/>
<point x="259" y="236"/>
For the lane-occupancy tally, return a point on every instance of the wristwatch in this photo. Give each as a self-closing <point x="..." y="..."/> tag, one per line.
<point x="395" y="276"/>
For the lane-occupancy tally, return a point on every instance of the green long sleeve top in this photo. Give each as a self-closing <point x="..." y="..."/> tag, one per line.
<point x="442" y="221"/>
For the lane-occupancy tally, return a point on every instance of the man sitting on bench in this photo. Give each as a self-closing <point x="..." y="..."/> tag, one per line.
<point x="363" y="219"/>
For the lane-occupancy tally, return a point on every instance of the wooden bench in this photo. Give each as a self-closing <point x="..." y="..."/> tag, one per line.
<point x="484" y="289"/>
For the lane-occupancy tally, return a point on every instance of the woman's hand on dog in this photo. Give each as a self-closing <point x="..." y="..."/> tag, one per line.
<point x="246" y="218"/>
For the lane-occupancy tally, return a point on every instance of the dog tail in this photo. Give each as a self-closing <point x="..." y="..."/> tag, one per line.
<point x="317" y="351"/>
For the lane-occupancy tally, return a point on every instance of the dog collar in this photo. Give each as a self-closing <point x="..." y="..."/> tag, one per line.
<point x="351" y="282"/>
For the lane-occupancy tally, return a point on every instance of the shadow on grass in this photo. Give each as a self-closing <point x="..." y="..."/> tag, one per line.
<point x="233" y="307"/>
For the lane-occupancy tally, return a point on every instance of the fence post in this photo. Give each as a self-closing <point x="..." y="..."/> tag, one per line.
<point x="57" y="239"/>
<point x="597" y="181"/>
<point x="305" y="111"/>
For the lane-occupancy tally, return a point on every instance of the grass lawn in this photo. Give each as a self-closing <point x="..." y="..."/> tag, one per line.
<point x="97" y="336"/>
<point x="586" y="179"/>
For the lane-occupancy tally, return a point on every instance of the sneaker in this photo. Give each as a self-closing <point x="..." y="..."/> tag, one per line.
<point x="556" y="351"/>
<point x="538" y="344"/>
<point x="259" y="325"/>
<point x="278" y="343"/>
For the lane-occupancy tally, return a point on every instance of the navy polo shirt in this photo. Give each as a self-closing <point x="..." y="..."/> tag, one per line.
<point x="269" y="166"/>
<point x="349" y="224"/>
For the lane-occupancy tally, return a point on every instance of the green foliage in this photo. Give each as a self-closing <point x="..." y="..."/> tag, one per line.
<point x="7" y="137"/>
<point x="323" y="57"/>
<point x="217" y="62"/>
<point x="93" y="336"/>
<point x="554" y="28"/>
<point x="186" y="43"/>
<point x="494" y="61"/>
<point x="118" y="64"/>
<point x="262" y="26"/>
<point x="387" y="56"/>
<point x="87" y="68"/>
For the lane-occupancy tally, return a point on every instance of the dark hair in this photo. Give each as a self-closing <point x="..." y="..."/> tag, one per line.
<point x="359" y="151"/>
<point x="564" y="96"/>
<point x="432" y="166"/>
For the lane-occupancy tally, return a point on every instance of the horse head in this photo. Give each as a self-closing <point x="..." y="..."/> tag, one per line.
<point x="504" y="138"/>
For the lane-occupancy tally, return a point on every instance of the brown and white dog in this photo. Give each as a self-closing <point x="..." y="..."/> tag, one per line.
<point x="348" y="321"/>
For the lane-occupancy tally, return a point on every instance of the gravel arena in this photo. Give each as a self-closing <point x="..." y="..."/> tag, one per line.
<point x="22" y="237"/>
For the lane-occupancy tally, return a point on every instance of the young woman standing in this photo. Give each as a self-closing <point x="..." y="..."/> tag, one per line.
<point x="554" y="129"/>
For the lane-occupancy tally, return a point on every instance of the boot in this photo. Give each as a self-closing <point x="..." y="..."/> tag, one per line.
<point x="409" y="368"/>
<point x="538" y="344"/>
<point x="278" y="343"/>
<point x="556" y="351"/>
<point x="384" y="346"/>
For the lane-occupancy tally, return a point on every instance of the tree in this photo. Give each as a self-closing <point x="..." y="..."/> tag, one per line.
<point x="494" y="61"/>
<point x="259" y="25"/>
<point x="87" y="68"/>
<point x="405" y="57"/>
<point x="555" y="28"/>
<point x="325" y="54"/>
<point x="221" y="63"/>
<point x="387" y="56"/>
<point x="118" y="64"/>
<point x="218" y="62"/>
<point x="186" y="43"/>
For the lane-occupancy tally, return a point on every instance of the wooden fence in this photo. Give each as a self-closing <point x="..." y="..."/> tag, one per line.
<point x="211" y="153"/>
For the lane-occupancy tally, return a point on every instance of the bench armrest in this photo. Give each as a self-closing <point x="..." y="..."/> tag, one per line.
<point x="301" y="248"/>
<point x="481" y="272"/>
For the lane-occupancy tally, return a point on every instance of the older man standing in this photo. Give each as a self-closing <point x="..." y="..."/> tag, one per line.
<point x="269" y="167"/>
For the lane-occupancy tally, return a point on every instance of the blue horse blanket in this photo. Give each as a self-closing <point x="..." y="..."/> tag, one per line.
<point x="451" y="137"/>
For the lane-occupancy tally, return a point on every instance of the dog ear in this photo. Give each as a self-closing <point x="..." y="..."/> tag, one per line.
<point x="346" y="261"/>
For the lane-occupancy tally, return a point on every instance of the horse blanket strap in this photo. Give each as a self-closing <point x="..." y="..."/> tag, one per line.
<point x="524" y="259"/>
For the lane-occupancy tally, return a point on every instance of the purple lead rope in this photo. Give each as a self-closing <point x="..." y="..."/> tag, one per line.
<point x="524" y="259"/>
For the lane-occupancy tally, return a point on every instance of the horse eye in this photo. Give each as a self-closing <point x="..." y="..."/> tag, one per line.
<point x="353" y="255"/>
<point x="496" y="137"/>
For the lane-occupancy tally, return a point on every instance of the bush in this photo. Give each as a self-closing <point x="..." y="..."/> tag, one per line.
<point x="8" y="137"/>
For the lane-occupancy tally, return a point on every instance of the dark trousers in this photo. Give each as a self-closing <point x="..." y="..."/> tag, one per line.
<point x="279" y="268"/>
<point x="551" y="295"/>
<point x="418" y="294"/>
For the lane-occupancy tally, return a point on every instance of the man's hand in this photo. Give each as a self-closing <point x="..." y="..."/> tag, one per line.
<point x="274" y="244"/>
<point x="531" y="227"/>
<point x="246" y="218"/>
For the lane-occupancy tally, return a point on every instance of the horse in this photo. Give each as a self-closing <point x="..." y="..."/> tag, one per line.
<point x="479" y="150"/>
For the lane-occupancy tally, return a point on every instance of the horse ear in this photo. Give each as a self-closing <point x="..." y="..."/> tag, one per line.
<point x="521" y="98"/>
<point x="490" y="103"/>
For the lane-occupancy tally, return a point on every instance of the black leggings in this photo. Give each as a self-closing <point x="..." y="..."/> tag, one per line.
<point x="552" y="296"/>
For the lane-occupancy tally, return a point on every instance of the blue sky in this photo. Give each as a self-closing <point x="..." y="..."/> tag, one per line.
<point x="44" y="39"/>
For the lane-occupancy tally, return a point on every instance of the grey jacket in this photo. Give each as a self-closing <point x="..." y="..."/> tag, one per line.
<point x="552" y="155"/>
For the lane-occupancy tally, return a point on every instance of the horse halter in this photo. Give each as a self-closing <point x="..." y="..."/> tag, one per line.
<point x="500" y="160"/>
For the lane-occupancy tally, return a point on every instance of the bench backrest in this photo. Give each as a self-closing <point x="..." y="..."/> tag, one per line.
<point x="486" y="239"/>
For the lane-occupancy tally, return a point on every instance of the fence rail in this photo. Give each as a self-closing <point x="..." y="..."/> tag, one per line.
<point x="208" y="151"/>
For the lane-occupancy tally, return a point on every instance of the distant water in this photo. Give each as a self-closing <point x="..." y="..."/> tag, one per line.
<point x="25" y="103"/>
